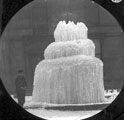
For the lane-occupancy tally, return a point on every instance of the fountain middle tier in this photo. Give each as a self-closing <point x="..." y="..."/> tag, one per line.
<point x="71" y="80"/>
<point x="70" y="48"/>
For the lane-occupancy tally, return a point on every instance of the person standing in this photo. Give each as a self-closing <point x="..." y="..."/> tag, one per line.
<point x="20" y="87"/>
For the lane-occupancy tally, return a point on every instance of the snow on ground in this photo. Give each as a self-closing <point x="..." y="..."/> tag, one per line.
<point x="58" y="115"/>
<point x="110" y="95"/>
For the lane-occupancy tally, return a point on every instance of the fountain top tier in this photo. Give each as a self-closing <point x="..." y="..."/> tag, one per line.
<point x="70" y="31"/>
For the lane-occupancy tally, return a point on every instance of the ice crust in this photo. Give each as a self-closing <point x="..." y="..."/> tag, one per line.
<point x="70" y="72"/>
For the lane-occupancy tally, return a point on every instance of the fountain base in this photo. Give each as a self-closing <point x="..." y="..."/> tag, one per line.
<point x="68" y="107"/>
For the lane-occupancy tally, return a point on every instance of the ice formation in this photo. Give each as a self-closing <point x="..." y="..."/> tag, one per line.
<point x="69" y="48"/>
<point x="70" y="72"/>
<point x="70" y="31"/>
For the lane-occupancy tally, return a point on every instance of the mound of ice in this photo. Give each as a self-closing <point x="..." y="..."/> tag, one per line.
<point x="69" y="48"/>
<point x="70" y="73"/>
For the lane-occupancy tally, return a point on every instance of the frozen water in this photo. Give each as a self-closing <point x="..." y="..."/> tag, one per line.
<point x="70" y="73"/>
<point x="65" y="80"/>
<point x="70" y="31"/>
<point x="70" y="48"/>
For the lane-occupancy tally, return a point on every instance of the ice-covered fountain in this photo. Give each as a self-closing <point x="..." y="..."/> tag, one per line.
<point x="70" y="72"/>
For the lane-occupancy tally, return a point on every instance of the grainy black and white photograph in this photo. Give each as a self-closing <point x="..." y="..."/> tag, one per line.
<point x="62" y="59"/>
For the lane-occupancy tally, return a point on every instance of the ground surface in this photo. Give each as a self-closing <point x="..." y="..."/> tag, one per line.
<point x="110" y="95"/>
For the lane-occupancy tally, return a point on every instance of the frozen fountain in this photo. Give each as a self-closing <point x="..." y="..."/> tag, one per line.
<point x="70" y="72"/>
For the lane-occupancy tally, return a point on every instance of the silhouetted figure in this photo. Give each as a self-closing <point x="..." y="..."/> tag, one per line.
<point x="21" y="85"/>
